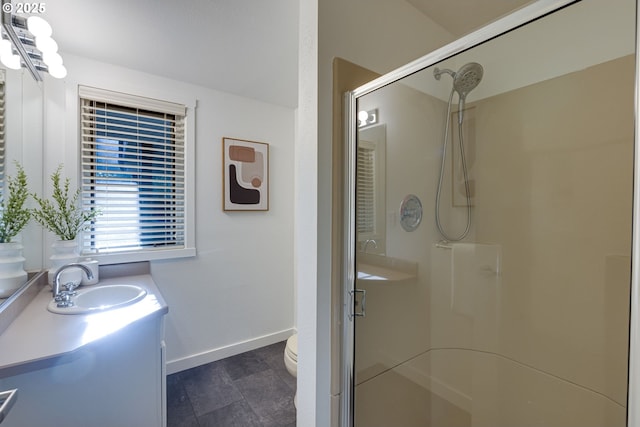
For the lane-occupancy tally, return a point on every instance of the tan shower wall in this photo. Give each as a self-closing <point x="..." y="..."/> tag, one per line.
<point x="554" y="189"/>
<point x="547" y="343"/>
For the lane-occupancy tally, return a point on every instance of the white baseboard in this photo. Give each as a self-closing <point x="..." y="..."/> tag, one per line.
<point x="209" y="356"/>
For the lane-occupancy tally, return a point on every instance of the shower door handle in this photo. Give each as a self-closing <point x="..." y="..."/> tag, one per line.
<point x="354" y="302"/>
<point x="7" y="399"/>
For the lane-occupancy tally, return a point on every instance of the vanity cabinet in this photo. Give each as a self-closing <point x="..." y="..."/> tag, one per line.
<point x="110" y="374"/>
<point x="117" y="381"/>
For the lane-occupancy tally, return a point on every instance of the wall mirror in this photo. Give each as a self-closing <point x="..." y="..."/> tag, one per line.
<point x="371" y="176"/>
<point x="23" y="121"/>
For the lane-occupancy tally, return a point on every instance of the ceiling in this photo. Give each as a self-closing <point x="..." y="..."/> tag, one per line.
<point x="461" y="17"/>
<point x="245" y="47"/>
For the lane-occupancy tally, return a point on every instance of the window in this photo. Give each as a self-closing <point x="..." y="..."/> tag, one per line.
<point x="371" y="186"/>
<point x="133" y="171"/>
<point x="366" y="196"/>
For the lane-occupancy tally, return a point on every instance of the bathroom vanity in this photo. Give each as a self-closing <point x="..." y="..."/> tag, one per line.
<point x="102" y="369"/>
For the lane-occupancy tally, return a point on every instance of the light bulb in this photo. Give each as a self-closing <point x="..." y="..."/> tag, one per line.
<point x="58" y="71"/>
<point x="46" y="44"/>
<point x="52" y="58"/>
<point x="363" y="116"/>
<point x="11" y="61"/>
<point x="39" y="27"/>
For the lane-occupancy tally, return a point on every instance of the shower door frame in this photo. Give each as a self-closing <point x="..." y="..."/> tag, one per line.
<point x="510" y="22"/>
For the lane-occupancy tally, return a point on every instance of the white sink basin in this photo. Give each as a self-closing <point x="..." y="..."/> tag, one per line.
<point x="100" y="298"/>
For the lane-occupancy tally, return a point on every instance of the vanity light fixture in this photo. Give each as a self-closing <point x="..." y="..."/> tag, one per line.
<point x="27" y="42"/>
<point x="367" y="118"/>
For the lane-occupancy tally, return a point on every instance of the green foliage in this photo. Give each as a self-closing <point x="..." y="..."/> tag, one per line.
<point x="14" y="215"/>
<point x="61" y="215"/>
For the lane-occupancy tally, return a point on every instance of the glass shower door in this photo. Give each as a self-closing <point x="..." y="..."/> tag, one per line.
<point x="523" y="319"/>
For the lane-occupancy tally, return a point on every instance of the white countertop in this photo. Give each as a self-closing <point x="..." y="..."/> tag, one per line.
<point x="376" y="273"/>
<point x="37" y="334"/>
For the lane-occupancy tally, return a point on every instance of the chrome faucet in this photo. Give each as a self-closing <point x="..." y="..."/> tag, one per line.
<point x="366" y="244"/>
<point x="63" y="297"/>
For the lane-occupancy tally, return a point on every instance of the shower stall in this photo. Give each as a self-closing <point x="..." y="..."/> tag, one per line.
<point x="487" y="276"/>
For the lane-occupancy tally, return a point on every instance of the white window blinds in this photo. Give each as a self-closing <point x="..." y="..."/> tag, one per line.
<point x="133" y="172"/>
<point x="365" y="195"/>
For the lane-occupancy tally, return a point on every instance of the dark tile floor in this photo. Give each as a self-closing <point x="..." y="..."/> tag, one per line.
<point x="252" y="389"/>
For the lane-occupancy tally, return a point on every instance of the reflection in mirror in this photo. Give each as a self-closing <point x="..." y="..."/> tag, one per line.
<point x="371" y="198"/>
<point x="23" y="133"/>
<point x="3" y="78"/>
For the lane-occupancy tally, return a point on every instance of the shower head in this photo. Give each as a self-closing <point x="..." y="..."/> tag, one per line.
<point x="464" y="81"/>
<point x="467" y="78"/>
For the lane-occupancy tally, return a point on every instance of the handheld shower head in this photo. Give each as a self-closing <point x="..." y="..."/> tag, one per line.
<point x="467" y="78"/>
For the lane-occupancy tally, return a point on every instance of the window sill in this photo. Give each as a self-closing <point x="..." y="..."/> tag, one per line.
<point x="148" y="255"/>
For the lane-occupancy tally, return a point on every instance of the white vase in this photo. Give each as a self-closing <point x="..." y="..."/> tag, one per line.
<point x="64" y="252"/>
<point x="12" y="274"/>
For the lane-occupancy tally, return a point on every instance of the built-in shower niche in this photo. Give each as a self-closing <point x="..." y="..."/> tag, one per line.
<point x="384" y="269"/>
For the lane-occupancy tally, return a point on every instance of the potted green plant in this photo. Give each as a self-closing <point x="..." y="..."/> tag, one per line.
<point x="62" y="216"/>
<point x="14" y="216"/>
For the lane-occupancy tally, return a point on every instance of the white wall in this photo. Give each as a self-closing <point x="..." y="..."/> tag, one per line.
<point x="306" y="216"/>
<point x="237" y="293"/>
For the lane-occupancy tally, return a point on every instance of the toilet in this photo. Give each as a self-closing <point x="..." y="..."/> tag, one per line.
<point x="291" y="359"/>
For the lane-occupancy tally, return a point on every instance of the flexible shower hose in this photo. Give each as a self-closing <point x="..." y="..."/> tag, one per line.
<point x="441" y="229"/>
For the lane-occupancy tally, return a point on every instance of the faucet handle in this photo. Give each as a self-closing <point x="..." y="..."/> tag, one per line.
<point x="70" y="288"/>
<point x="63" y="299"/>
<point x="366" y="244"/>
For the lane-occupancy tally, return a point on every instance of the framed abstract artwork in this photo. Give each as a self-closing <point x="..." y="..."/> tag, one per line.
<point x="245" y="176"/>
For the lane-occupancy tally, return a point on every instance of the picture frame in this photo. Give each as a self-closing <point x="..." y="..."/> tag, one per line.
<point x="458" y="192"/>
<point x="245" y="175"/>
